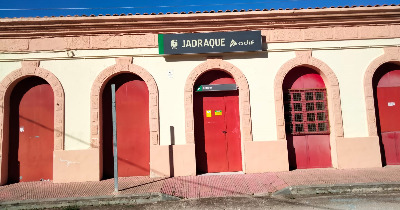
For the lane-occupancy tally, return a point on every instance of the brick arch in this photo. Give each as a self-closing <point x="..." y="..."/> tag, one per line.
<point x="391" y="55"/>
<point x="29" y="68"/>
<point x="244" y="96"/>
<point x="304" y="58"/>
<point x="123" y="65"/>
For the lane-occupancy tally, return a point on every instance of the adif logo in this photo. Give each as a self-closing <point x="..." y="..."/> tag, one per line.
<point x="233" y="43"/>
<point x="174" y="44"/>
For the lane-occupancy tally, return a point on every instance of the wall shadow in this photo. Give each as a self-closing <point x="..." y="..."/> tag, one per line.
<point x="171" y="151"/>
<point x="227" y="56"/>
<point x="291" y="152"/>
<point x="200" y="150"/>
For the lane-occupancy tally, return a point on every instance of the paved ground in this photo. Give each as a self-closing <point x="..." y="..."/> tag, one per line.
<point x="355" y="201"/>
<point x="200" y="186"/>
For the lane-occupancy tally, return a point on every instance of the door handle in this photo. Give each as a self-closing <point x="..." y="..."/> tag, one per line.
<point x="224" y="132"/>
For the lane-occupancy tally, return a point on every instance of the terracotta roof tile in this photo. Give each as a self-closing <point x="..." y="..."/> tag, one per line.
<point x="219" y="11"/>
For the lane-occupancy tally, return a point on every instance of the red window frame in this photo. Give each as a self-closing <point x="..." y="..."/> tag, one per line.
<point x="306" y="111"/>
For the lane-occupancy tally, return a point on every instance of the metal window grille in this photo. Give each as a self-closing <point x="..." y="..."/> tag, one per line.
<point x="306" y="112"/>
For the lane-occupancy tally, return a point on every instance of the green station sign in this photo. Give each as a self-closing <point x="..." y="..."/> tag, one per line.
<point x="217" y="42"/>
<point x="217" y="87"/>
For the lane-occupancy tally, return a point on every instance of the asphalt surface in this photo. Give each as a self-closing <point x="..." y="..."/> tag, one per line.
<point x="349" y="201"/>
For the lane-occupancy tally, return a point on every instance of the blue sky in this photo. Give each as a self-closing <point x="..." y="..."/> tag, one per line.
<point x="33" y="8"/>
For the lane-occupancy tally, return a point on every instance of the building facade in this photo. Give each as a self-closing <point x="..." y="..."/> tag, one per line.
<point x="322" y="93"/>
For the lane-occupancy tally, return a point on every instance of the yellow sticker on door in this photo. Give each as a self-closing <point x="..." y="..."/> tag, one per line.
<point x="208" y="113"/>
<point x="218" y="112"/>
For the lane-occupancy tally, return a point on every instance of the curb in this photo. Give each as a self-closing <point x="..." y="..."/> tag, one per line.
<point x="338" y="189"/>
<point x="88" y="201"/>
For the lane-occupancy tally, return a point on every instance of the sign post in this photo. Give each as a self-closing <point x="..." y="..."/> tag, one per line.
<point x="114" y="122"/>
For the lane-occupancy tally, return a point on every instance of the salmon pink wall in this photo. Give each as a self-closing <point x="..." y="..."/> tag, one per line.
<point x="361" y="152"/>
<point x="265" y="156"/>
<point x="76" y="166"/>
<point x="172" y="160"/>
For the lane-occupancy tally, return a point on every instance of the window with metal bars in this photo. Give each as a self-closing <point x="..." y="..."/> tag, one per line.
<point x="306" y="112"/>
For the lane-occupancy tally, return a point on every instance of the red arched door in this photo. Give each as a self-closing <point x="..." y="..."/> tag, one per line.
<point x="217" y="126"/>
<point x="31" y="141"/>
<point x="307" y="122"/>
<point x="133" y="132"/>
<point x="388" y="94"/>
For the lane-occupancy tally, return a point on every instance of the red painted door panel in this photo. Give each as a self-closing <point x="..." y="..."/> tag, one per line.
<point x="310" y="150"/>
<point x="309" y="81"/>
<point x="132" y="106"/>
<point x="390" y="79"/>
<point x="214" y="136"/>
<point x="300" y="149"/>
<point x="232" y="120"/>
<point x="35" y="143"/>
<point x="389" y="108"/>
<point x="391" y="142"/>
<point x="388" y="96"/>
<point x="220" y="131"/>
<point x="397" y="143"/>
<point x="319" y="151"/>
<point x="133" y="133"/>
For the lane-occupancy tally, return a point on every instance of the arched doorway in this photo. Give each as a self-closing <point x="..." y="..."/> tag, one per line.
<point x="133" y="133"/>
<point x="217" y="123"/>
<point x="307" y="120"/>
<point x="386" y="83"/>
<point x="31" y="134"/>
